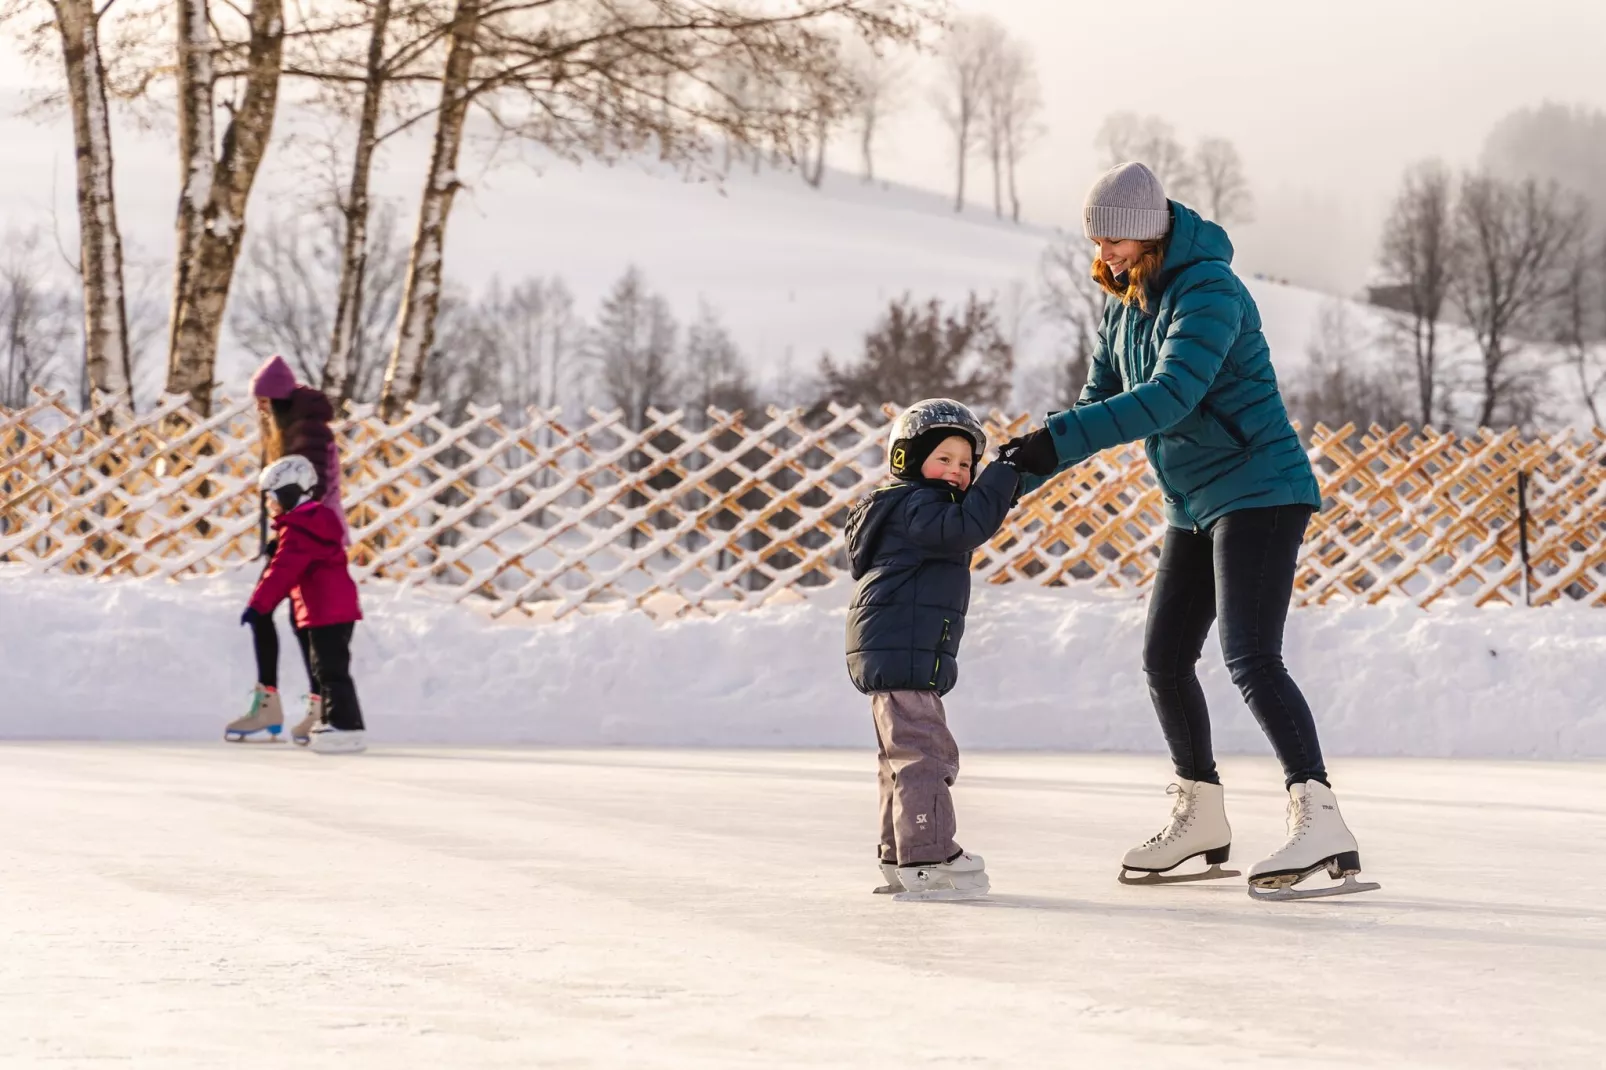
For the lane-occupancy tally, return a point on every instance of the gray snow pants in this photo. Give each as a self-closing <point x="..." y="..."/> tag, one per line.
<point x="918" y="764"/>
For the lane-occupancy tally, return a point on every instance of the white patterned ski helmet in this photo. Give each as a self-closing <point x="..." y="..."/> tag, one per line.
<point x="290" y="479"/>
<point x="911" y="441"/>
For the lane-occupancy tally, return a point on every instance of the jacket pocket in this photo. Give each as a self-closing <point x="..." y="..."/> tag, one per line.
<point x="1227" y="428"/>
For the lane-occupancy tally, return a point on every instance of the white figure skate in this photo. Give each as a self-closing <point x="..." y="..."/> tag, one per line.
<point x="1317" y="839"/>
<point x="1198" y="826"/>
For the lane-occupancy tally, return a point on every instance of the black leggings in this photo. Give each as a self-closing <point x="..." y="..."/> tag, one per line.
<point x="265" y="638"/>
<point x="1241" y="571"/>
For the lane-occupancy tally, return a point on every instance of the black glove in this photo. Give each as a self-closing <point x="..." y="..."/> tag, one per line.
<point x="1032" y="453"/>
<point x="250" y="616"/>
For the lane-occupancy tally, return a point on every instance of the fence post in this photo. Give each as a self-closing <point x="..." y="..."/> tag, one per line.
<point x="1522" y="536"/>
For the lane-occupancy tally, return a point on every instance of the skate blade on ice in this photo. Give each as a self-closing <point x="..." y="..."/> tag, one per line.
<point x="1149" y="876"/>
<point x="259" y="735"/>
<point x="1281" y="888"/>
<point x="943" y="895"/>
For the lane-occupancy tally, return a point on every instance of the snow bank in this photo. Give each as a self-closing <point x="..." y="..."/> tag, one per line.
<point x="1039" y="669"/>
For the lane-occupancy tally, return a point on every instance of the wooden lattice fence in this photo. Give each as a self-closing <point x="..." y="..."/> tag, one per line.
<point x="693" y="514"/>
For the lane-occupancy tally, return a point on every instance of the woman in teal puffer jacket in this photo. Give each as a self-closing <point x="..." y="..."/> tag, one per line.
<point x="1182" y="365"/>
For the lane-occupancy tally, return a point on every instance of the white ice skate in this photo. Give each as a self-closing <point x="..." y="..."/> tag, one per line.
<point x="889" y="873"/>
<point x="262" y="723"/>
<point x="1198" y="826"/>
<point x="327" y="740"/>
<point x="961" y="877"/>
<point x="1317" y="839"/>
<point x="301" y="734"/>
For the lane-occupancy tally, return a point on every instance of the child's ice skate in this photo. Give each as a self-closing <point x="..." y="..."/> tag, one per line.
<point x="964" y="876"/>
<point x="328" y="740"/>
<point x="262" y="723"/>
<point x="1317" y="839"/>
<point x="889" y="873"/>
<point x="1198" y="826"/>
<point x="301" y="734"/>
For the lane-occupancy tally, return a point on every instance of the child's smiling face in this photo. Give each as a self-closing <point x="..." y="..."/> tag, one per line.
<point x="950" y="462"/>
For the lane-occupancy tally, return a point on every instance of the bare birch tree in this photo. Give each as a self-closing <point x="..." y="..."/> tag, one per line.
<point x="354" y="207"/>
<point x="1223" y="188"/>
<point x="1518" y="239"/>
<point x="415" y="332"/>
<point x="216" y="177"/>
<point x="108" y="366"/>
<point x="1419" y="256"/>
<point x="969" y="57"/>
<point x="1012" y="103"/>
<point x="1580" y="323"/>
<point x="877" y="81"/>
<point x="605" y="79"/>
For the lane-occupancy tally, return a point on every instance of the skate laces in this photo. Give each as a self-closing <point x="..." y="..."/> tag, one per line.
<point x="1181" y="813"/>
<point x="1299" y="815"/>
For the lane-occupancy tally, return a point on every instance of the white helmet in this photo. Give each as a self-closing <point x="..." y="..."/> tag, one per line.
<point x="291" y="479"/>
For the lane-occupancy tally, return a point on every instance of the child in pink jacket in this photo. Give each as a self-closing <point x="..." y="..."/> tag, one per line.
<point x="309" y="567"/>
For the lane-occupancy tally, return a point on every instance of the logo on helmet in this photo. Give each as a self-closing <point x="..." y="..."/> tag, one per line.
<point x="899" y="457"/>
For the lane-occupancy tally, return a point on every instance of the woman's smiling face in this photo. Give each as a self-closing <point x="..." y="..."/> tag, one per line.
<point x="1119" y="254"/>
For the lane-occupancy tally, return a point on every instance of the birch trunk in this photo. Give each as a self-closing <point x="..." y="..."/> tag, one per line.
<point x="107" y="364"/>
<point x="415" y="332"/>
<point x="342" y="362"/>
<point x="211" y="217"/>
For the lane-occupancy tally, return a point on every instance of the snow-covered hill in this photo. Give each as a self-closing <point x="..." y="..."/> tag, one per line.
<point x="793" y="271"/>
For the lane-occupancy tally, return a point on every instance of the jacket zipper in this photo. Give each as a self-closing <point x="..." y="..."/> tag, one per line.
<point x="1165" y="488"/>
<point x="936" y="665"/>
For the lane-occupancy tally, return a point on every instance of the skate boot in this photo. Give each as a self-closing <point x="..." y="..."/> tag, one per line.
<point x="262" y="723"/>
<point x="889" y="873"/>
<point x="327" y="740"/>
<point x="301" y="734"/>
<point x="1198" y="826"/>
<point x="1317" y="839"/>
<point x="964" y="876"/>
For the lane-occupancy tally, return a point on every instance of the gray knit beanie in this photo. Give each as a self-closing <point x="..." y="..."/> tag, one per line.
<point x="1127" y="201"/>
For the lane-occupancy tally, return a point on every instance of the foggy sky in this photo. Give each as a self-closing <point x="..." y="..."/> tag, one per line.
<point x="1328" y="103"/>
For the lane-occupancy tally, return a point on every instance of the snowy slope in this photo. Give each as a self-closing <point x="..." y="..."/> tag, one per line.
<point x="1040" y="668"/>
<point x="794" y="271"/>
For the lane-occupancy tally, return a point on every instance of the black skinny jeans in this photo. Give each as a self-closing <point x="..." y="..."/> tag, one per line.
<point x="1242" y="572"/>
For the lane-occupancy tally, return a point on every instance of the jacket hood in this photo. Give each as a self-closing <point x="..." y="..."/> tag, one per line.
<point x="309" y="404"/>
<point x="865" y="521"/>
<point x="314" y="518"/>
<point x="1193" y="240"/>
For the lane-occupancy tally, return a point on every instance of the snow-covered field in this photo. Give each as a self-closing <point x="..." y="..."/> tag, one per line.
<point x="1056" y="669"/>
<point x="203" y="906"/>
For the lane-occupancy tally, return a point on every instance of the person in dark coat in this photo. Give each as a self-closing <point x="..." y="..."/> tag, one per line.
<point x="910" y="543"/>
<point x="294" y="420"/>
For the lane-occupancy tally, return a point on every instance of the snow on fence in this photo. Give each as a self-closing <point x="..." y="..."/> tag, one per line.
<point x="694" y="514"/>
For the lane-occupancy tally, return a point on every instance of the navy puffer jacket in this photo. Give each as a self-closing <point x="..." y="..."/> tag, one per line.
<point x="910" y="545"/>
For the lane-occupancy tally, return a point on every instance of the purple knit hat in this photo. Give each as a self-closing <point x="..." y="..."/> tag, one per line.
<point x="274" y="379"/>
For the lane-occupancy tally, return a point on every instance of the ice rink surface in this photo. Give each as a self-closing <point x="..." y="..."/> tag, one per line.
<point x="211" y="906"/>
